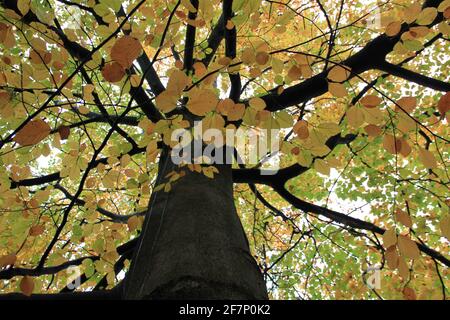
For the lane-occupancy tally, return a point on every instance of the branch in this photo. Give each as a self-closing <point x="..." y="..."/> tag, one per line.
<point x="230" y="49"/>
<point x="285" y="174"/>
<point x="189" y="42"/>
<point x="370" y="57"/>
<point x="57" y="176"/>
<point x="12" y="272"/>
<point x="214" y="40"/>
<point x="114" y="217"/>
<point x="112" y="294"/>
<point x="415" y="77"/>
<point x="347" y="220"/>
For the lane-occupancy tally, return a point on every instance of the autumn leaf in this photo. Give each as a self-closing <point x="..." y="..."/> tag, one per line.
<point x="113" y="72"/>
<point x="444" y="104"/>
<point x="32" y="133"/>
<point x="201" y="101"/>
<point x="125" y="50"/>
<point x="133" y="223"/>
<point x="371" y="101"/>
<point x="407" y="247"/>
<point x="403" y="218"/>
<point x="393" y="28"/>
<point x="339" y="74"/>
<point x="337" y="89"/>
<point x="445" y="226"/>
<point x="36" y="230"/>
<point x="7" y="260"/>
<point x="409" y="294"/>
<point x="64" y="132"/>
<point x="427" y="158"/>
<point x="389" y="238"/>
<point x="301" y="129"/>
<point x="27" y="285"/>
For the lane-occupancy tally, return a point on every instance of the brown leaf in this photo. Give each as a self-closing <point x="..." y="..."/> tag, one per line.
<point x="7" y="260"/>
<point x="444" y="104"/>
<point x="36" y="230"/>
<point x="301" y="129"/>
<point x="409" y="294"/>
<point x="407" y="247"/>
<point x="113" y="72"/>
<point x="393" y="28"/>
<point x="262" y="58"/>
<point x="427" y="158"/>
<point x="373" y="130"/>
<point x="371" y="101"/>
<point x="389" y="238"/>
<point x="392" y="144"/>
<point x="27" y="285"/>
<point x="125" y="50"/>
<point x="403" y="218"/>
<point x="133" y="223"/>
<point x="32" y="133"/>
<point x="403" y="268"/>
<point x="392" y="257"/>
<point x="339" y="73"/>
<point x="64" y="132"/>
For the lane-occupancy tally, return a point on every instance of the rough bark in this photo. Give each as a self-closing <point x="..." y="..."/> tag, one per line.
<point x="193" y="245"/>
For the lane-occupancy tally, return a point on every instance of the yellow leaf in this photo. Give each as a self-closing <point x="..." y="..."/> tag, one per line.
<point x="393" y="28"/>
<point x="411" y="13"/>
<point x="407" y="247"/>
<point x="178" y="80"/>
<point x="339" y="74"/>
<point x="201" y="101"/>
<point x="322" y="167"/>
<point x="135" y="80"/>
<point x="32" y="133"/>
<point x="445" y="226"/>
<point x="355" y="117"/>
<point x="23" y="6"/>
<point x="257" y="104"/>
<point x="166" y="101"/>
<point x="403" y="269"/>
<point x="427" y="16"/>
<point x="329" y="128"/>
<point x="389" y="238"/>
<point x="337" y="89"/>
<point x="236" y="112"/>
<point x="188" y="5"/>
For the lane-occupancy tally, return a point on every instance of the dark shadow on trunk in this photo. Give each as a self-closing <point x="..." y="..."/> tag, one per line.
<point x="193" y="245"/>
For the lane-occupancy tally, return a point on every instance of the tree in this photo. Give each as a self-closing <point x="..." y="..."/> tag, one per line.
<point x="93" y="91"/>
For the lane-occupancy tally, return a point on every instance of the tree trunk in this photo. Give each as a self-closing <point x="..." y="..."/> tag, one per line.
<point x="193" y="245"/>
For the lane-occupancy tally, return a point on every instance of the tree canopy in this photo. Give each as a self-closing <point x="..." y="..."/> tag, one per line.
<point x="91" y="91"/>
